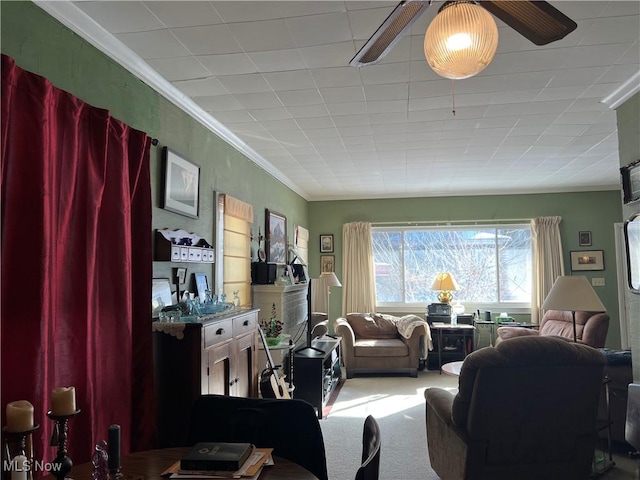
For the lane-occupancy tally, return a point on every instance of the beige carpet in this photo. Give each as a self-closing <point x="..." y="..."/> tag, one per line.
<point x="397" y="403"/>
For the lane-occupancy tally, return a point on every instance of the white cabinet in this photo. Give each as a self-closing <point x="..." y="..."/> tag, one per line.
<point x="291" y="306"/>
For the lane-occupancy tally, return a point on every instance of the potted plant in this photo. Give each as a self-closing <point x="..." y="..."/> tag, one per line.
<point x="272" y="328"/>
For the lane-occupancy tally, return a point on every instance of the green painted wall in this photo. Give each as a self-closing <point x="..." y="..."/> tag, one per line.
<point x="594" y="211"/>
<point x="42" y="45"/>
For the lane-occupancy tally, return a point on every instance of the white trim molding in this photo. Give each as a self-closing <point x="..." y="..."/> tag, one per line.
<point x="623" y="92"/>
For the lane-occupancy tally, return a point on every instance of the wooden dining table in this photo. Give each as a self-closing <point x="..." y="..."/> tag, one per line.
<point x="150" y="464"/>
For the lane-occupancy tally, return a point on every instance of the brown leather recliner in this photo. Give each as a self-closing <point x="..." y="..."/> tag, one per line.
<point x="524" y="410"/>
<point x="591" y="327"/>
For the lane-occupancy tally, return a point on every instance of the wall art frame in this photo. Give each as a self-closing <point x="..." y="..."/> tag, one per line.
<point x="181" y="185"/>
<point x="327" y="263"/>
<point x="584" y="260"/>
<point x="326" y="243"/>
<point x="630" y="175"/>
<point x="584" y="238"/>
<point x="276" y="237"/>
<point x="202" y="284"/>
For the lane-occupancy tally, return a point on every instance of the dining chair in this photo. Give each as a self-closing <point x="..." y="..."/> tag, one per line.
<point x="289" y="426"/>
<point x="370" y="467"/>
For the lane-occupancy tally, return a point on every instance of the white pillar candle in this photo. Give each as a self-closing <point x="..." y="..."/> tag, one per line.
<point x="19" y="468"/>
<point x="19" y="416"/>
<point x="63" y="401"/>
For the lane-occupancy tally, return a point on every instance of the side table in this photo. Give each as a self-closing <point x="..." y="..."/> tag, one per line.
<point x="452" y="342"/>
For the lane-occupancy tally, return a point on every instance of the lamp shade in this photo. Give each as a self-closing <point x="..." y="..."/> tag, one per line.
<point x="330" y="279"/>
<point x="444" y="281"/>
<point x="461" y="41"/>
<point x="573" y="294"/>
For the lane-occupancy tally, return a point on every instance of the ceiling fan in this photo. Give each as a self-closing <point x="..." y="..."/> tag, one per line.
<point x="538" y="21"/>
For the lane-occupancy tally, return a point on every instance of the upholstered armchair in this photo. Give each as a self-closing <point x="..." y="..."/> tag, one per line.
<point x="525" y="409"/>
<point x="377" y="343"/>
<point x="591" y="328"/>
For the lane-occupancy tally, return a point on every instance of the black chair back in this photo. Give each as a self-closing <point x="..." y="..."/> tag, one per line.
<point x="290" y="427"/>
<point x="370" y="468"/>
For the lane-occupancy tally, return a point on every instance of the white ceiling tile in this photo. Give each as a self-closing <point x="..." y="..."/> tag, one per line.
<point x="264" y="35"/>
<point x="259" y="100"/>
<point x="342" y="94"/>
<point x="121" y="17"/>
<point x="295" y="80"/>
<point x="315" y="122"/>
<point x="238" y="116"/>
<point x="327" y="56"/>
<point x="249" y="11"/>
<point x="384" y="74"/>
<point x="594" y="55"/>
<point x="277" y="61"/>
<point x="201" y="87"/>
<point x="300" y="98"/>
<point x="347" y="109"/>
<point x="388" y="107"/>
<point x="184" y="13"/>
<point x="179" y="68"/>
<point x="269" y="114"/>
<point x="336" y="77"/>
<point x="309" y="111"/>
<point x="320" y="29"/>
<point x="228" y="64"/>
<point x="207" y="40"/>
<point x="310" y="7"/>
<point x="222" y="103"/>
<point x="154" y="44"/>
<point x="618" y="29"/>
<point x="251" y="83"/>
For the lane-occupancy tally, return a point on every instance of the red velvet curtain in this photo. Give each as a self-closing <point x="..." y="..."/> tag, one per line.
<point x="76" y="264"/>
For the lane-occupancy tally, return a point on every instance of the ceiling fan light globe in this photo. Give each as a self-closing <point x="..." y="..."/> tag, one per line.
<point x="461" y="41"/>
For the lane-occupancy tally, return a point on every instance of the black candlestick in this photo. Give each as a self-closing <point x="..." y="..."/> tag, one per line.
<point x="21" y="445"/>
<point x="62" y="464"/>
<point x="113" y="445"/>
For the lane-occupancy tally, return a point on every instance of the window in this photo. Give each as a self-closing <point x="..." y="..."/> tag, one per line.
<point x="491" y="264"/>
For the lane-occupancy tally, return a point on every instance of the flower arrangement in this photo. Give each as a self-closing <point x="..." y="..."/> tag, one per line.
<point x="272" y="328"/>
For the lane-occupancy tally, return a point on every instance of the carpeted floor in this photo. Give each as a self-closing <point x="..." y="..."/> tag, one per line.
<point x="397" y="403"/>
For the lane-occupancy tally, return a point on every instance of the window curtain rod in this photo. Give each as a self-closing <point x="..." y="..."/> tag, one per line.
<point x="497" y="221"/>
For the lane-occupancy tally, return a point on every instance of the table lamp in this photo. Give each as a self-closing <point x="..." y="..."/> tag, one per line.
<point x="445" y="283"/>
<point x="330" y="280"/>
<point x="574" y="294"/>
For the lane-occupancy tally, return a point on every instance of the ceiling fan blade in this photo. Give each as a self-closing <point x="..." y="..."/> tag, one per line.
<point x="540" y="22"/>
<point x="388" y="34"/>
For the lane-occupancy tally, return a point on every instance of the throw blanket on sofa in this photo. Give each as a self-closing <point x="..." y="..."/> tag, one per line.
<point x="407" y="324"/>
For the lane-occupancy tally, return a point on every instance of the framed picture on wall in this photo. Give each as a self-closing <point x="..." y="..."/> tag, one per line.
<point x="326" y="243"/>
<point x="630" y="182"/>
<point x="587" y="260"/>
<point x="584" y="238"/>
<point x="181" y="185"/>
<point x="276" y="237"/>
<point x="327" y="263"/>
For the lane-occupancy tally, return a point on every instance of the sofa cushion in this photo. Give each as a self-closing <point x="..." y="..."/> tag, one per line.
<point x="380" y="347"/>
<point x="373" y="325"/>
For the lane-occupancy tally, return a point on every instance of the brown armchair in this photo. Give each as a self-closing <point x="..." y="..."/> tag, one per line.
<point x="525" y="410"/>
<point x="591" y="328"/>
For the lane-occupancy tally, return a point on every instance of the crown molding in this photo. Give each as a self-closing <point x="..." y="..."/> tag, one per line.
<point x="623" y="92"/>
<point x="79" y="22"/>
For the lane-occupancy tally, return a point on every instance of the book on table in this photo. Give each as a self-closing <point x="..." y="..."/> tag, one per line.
<point x="249" y="470"/>
<point x="216" y="456"/>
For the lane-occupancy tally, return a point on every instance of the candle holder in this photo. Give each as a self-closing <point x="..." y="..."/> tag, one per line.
<point x="62" y="464"/>
<point x="19" y="440"/>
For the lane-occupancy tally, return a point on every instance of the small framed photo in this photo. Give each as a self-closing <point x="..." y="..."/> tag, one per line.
<point x="584" y="239"/>
<point x="181" y="185"/>
<point x="180" y="274"/>
<point x="326" y="243"/>
<point x="630" y="182"/>
<point x="276" y="237"/>
<point x="587" y="260"/>
<point x="202" y="284"/>
<point x="327" y="263"/>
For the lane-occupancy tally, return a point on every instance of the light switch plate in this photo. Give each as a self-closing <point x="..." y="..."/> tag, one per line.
<point x="597" y="282"/>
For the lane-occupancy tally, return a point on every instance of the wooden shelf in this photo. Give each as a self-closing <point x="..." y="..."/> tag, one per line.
<point x="182" y="246"/>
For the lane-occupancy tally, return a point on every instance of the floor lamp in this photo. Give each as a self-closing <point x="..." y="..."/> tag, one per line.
<point x="330" y="280"/>
<point x="573" y="294"/>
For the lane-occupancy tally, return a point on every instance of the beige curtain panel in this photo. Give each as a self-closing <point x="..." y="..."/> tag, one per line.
<point x="548" y="262"/>
<point x="358" y="281"/>
<point x="238" y="208"/>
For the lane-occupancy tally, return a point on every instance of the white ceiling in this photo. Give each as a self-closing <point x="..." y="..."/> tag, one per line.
<point x="276" y="75"/>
